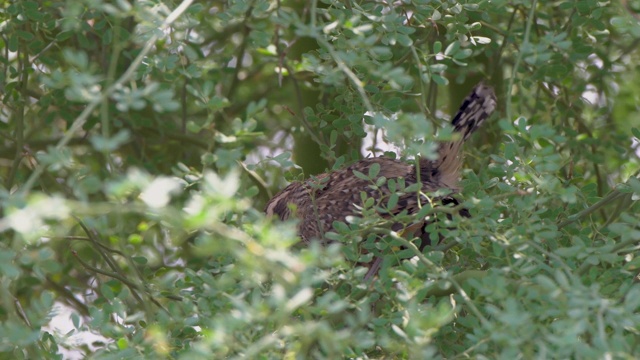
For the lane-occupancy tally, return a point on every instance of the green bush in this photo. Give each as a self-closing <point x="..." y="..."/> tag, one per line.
<point x="140" y="141"/>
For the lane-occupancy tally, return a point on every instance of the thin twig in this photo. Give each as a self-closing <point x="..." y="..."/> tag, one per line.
<point x="23" y="64"/>
<point x="345" y="69"/>
<point x="612" y="196"/>
<point x="95" y="241"/>
<point x="131" y="285"/>
<point x="85" y="238"/>
<point x="303" y="117"/>
<point x="69" y="296"/>
<point x="525" y="47"/>
<point x="241" y="52"/>
<point x="21" y="312"/>
<point x="616" y="249"/>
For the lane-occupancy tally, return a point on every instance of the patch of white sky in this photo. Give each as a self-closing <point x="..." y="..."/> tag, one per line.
<point x="63" y="329"/>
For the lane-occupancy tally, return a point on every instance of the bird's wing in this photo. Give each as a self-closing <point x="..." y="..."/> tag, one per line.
<point x="341" y="194"/>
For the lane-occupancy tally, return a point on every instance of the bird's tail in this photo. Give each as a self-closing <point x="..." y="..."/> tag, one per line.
<point x="475" y="109"/>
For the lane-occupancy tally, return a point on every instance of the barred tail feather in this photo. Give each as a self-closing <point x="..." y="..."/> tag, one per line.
<point x="475" y="109"/>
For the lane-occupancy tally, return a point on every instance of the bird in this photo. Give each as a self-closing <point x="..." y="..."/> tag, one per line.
<point x="323" y="199"/>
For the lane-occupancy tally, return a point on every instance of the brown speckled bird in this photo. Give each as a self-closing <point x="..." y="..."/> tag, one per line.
<point x="329" y="197"/>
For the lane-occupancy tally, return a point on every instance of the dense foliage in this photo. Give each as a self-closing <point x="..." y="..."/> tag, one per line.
<point x="140" y="141"/>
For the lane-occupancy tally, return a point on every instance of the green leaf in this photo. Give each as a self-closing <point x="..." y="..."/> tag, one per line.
<point x="340" y="227"/>
<point x="404" y="40"/>
<point x="437" y="47"/>
<point x="481" y="40"/>
<point x="462" y="54"/>
<point x="393" y="201"/>
<point x="107" y="292"/>
<point x="360" y="175"/>
<point x="393" y="104"/>
<point x="218" y="103"/>
<point x="139" y="260"/>
<point x="437" y="68"/>
<point x="440" y="80"/>
<point x="75" y="319"/>
<point x="111" y="144"/>
<point x="452" y="49"/>
<point x="374" y="170"/>
<point x="7" y="267"/>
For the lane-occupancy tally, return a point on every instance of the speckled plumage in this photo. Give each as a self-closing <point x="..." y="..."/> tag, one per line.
<point x="323" y="199"/>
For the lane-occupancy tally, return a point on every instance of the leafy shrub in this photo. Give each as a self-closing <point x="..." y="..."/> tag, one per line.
<point x="141" y="139"/>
